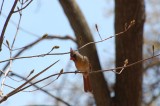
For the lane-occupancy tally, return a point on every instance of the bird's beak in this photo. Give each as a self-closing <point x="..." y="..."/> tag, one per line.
<point x="71" y="51"/>
<point x="72" y="58"/>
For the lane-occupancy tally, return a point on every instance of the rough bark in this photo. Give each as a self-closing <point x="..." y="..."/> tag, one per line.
<point x="128" y="87"/>
<point x="83" y="35"/>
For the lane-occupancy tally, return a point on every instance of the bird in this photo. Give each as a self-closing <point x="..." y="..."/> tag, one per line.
<point x="83" y="65"/>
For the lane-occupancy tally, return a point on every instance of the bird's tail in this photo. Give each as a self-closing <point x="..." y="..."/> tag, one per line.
<point x="87" y="84"/>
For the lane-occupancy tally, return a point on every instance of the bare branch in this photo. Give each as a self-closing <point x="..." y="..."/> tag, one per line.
<point x="37" y="87"/>
<point x="22" y="79"/>
<point x="1" y="7"/>
<point x="48" y="37"/>
<point x="118" y="34"/>
<point x="10" y="49"/>
<point x="154" y="63"/>
<point x="23" y="7"/>
<point x="40" y="55"/>
<point x="21" y="29"/>
<point x="6" y="23"/>
<point x="20" y="12"/>
<point x="21" y="86"/>
<point x="125" y="64"/>
<point x="129" y="65"/>
<point x="98" y="31"/>
<point x="153" y="49"/>
<point x="92" y="72"/>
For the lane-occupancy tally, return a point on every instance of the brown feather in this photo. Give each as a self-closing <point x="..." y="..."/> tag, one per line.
<point x="83" y="65"/>
<point x="87" y="84"/>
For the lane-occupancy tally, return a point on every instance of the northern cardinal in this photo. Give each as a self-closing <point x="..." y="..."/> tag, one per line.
<point x="83" y="65"/>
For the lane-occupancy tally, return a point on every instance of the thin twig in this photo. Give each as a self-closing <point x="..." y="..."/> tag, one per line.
<point x="5" y="76"/>
<point x="98" y="31"/>
<point x="42" y="86"/>
<point x="92" y="72"/>
<point x="42" y="55"/>
<point x="73" y="72"/>
<point x="10" y="49"/>
<point x="50" y="37"/>
<point x="21" y="29"/>
<point x="1" y="7"/>
<point x="45" y="91"/>
<point x="118" y="34"/>
<point x="20" y="13"/>
<point x="67" y="37"/>
<point x="23" y="7"/>
<point x="21" y="86"/>
<point x="6" y="23"/>
<point x="129" y="65"/>
<point x="61" y="73"/>
<point x="7" y="71"/>
<point x="22" y="79"/>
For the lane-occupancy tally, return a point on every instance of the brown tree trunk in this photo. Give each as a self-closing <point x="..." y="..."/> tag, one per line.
<point x="83" y="35"/>
<point x="128" y="87"/>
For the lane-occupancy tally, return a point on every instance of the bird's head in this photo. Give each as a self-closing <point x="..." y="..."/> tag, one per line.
<point x="73" y="55"/>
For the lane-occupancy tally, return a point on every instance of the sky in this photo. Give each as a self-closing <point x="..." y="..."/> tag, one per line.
<point x="47" y="17"/>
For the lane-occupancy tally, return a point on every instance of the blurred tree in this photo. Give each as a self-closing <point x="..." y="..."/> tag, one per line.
<point x="151" y="83"/>
<point x="124" y="50"/>
<point x="128" y="86"/>
<point x="84" y="36"/>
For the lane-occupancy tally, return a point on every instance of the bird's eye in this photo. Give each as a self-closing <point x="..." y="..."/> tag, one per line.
<point x="74" y="55"/>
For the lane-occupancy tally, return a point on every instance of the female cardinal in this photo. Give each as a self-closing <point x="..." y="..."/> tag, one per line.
<point x="83" y="65"/>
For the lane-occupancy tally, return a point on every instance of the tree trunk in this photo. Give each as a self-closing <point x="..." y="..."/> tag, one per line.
<point x="83" y="35"/>
<point x="128" y="87"/>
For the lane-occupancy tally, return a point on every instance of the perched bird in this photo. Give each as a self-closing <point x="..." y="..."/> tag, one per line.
<point x="82" y="64"/>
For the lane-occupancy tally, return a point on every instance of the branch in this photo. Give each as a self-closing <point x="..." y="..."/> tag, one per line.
<point x="21" y="28"/>
<point x="87" y="44"/>
<point x="1" y="7"/>
<point x="20" y="14"/>
<point x="129" y="65"/>
<point x="92" y="72"/>
<point x="23" y="7"/>
<point x="120" y="33"/>
<point x="37" y="87"/>
<point x="149" y="65"/>
<point x="10" y="49"/>
<point x="21" y="86"/>
<point x="50" y="37"/>
<point x="6" y="23"/>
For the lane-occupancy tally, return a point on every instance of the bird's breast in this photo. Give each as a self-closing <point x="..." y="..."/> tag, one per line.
<point x="82" y="66"/>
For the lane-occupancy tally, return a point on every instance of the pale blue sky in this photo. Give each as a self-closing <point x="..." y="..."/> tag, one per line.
<point x="47" y="16"/>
